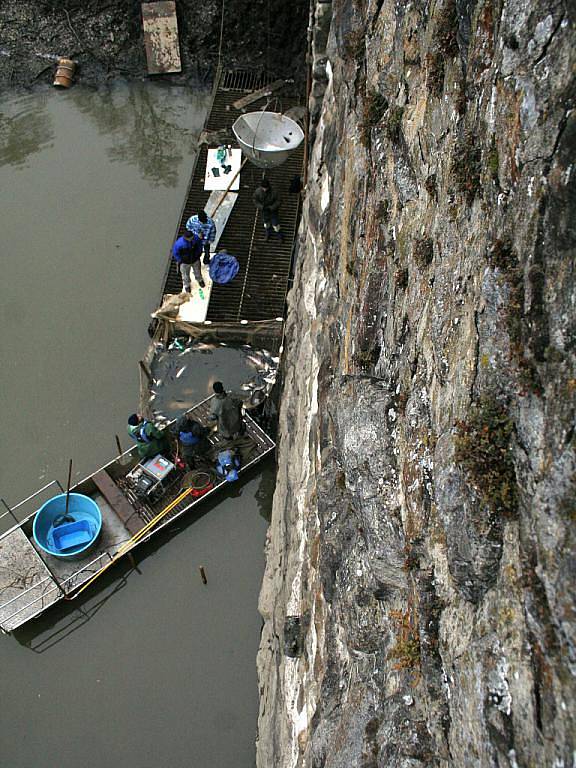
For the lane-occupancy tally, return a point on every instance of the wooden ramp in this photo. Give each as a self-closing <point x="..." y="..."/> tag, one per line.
<point x="161" y="37"/>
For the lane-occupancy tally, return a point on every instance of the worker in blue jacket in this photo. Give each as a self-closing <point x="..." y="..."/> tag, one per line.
<point x="192" y="440"/>
<point x="186" y="252"/>
<point x="203" y="226"/>
<point x="227" y="465"/>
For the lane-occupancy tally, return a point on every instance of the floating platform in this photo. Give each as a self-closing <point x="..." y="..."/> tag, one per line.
<point x="258" y="293"/>
<point x="31" y="580"/>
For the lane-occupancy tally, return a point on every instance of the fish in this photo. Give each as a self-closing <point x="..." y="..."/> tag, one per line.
<point x="181" y="371"/>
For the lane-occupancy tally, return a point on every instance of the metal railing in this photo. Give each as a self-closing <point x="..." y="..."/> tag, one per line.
<point x="10" y="510"/>
<point x="58" y="587"/>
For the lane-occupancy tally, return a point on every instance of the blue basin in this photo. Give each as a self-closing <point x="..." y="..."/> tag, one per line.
<point x="67" y="536"/>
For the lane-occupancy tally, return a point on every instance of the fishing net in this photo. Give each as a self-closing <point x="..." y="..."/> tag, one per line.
<point x="198" y="479"/>
<point x="256" y="333"/>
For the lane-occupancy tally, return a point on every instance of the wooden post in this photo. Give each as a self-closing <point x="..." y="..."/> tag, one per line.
<point x="118" y="444"/>
<point x="228" y="187"/>
<point x="68" y="487"/>
<point x="145" y="371"/>
<point x="10" y="511"/>
<point x="132" y="560"/>
<point x="203" y="575"/>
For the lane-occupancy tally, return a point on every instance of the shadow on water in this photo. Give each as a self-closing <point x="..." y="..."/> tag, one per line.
<point x="65" y="618"/>
<point x="25" y="133"/>
<point x="144" y="123"/>
<point x="145" y="128"/>
<point x="72" y="615"/>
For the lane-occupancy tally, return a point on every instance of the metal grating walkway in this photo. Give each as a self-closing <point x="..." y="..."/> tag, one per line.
<point x="259" y="290"/>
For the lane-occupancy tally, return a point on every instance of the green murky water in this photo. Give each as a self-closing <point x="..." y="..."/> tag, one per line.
<point x="153" y="668"/>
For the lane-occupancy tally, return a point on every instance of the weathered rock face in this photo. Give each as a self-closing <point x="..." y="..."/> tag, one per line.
<point x="419" y="597"/>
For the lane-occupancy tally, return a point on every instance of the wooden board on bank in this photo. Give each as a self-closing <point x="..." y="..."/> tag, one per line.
<point x="268" y="90"/>
<point x="161" y="37"/>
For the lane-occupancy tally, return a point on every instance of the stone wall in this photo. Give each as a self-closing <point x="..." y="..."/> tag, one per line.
<point x="419" y="598"/>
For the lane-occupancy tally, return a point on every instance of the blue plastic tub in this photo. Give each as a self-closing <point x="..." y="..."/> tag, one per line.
<point x="72" y="537"/>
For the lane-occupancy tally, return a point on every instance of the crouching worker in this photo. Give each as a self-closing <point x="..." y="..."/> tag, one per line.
<point x="192" y="440"/>
<point x="149" y="439"/>
<point x="227" y="465"/>
<point x="226" y="411"/>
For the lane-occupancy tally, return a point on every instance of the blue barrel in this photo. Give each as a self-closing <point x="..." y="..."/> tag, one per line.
<point x="70" y="534"/>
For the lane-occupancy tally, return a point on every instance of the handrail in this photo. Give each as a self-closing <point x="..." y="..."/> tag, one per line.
<point x="29" y="498"/>
<point x="24" y="607"/>
<point x="18" y="596"/>
<point x="48" y="592"/>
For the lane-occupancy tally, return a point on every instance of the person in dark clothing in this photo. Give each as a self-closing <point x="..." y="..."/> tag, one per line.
<point x="192" y="440"/>
<point x="149" y="439"/>
<point x="186" y="252"/>
<point x="226" y="411"/>
<point x="267" y="202"/>
<point x="203" y="226"/>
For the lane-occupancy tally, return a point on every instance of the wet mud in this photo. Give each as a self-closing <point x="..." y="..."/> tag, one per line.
<point x="105" y="39"/>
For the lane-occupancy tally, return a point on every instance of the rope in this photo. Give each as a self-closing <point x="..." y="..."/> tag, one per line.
<point x="137" y="536"/>
<point x="268" y="40"/>
<point x="221" y="34"/>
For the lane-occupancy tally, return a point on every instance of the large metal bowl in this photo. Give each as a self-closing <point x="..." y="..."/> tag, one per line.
<point x="267" y="138"/>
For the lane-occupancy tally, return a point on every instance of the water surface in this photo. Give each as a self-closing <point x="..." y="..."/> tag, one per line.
<point x="153" y="668"/>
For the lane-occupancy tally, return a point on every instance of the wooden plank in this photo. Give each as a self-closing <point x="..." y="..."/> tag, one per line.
<point x="195" y="308"/>
<point x="161" y="37"/>
<point x="117" y="501"/>
<point x="260" y="94"/>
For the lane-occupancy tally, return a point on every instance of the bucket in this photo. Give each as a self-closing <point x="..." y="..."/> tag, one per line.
<point x="71" y="535"/>
<point x="64" y="73"/>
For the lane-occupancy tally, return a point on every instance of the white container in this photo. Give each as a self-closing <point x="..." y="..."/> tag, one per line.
<point x="267" y="138"/>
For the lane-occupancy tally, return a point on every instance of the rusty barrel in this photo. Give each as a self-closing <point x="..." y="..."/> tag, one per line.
<point x="64" y="73"/>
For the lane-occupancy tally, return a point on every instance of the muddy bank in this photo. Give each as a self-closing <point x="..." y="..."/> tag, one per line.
<point x="105" y="39"/>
